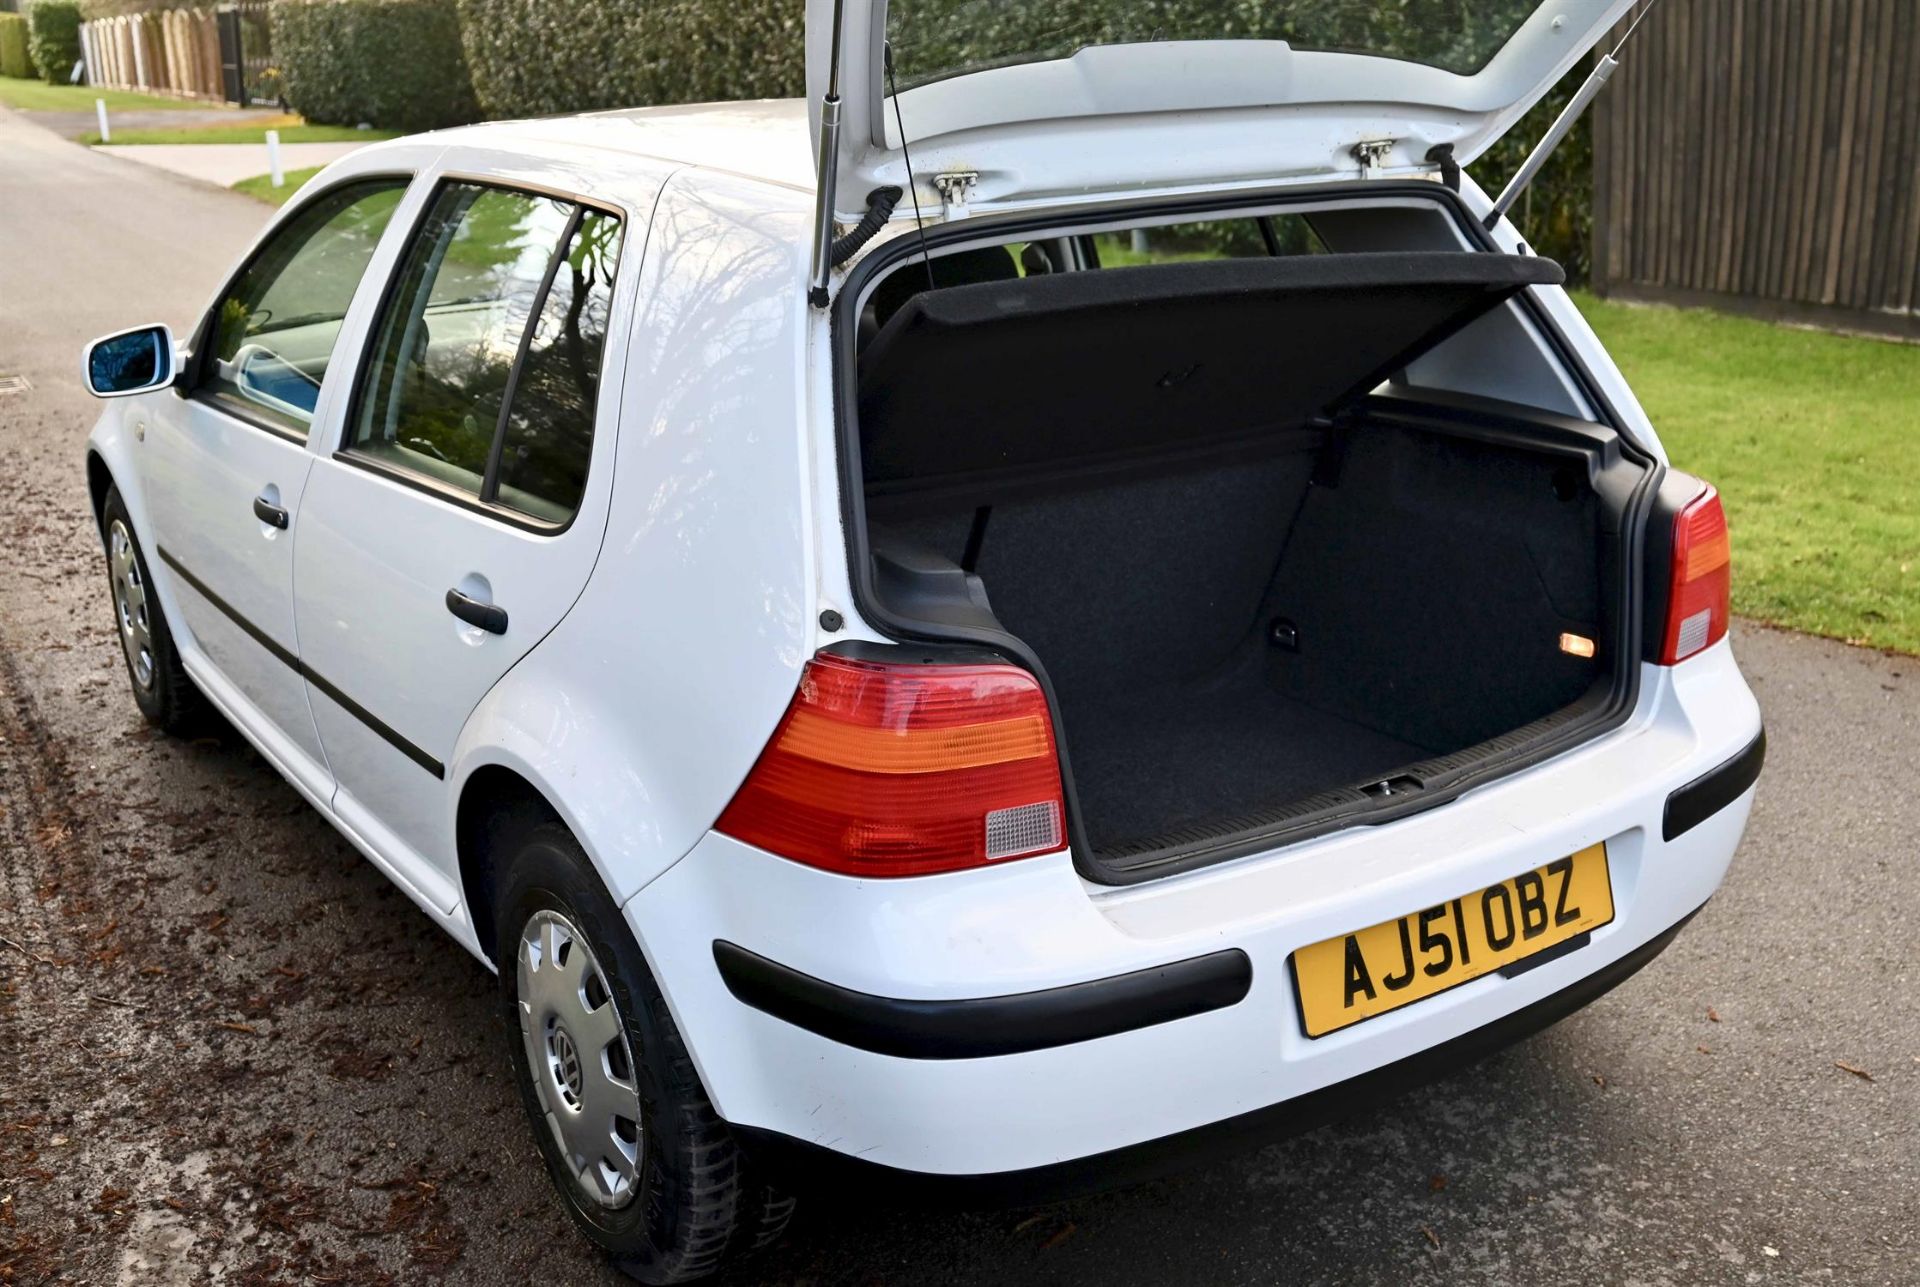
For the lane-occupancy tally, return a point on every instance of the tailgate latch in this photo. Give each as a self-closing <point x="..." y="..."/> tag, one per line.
<point x="1370" y="153"/>
<point x="954" y="188"/>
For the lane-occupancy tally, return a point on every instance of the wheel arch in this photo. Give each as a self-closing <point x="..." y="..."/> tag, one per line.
<point x="100" y="481"/>
<point x="490" y="792"/>
<point x="496" y="785"/>
<point x="113" y="464"/>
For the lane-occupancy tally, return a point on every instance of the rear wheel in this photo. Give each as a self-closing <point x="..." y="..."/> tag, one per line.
<point x="161" y="688"/>
<point x="644" y="1164"/>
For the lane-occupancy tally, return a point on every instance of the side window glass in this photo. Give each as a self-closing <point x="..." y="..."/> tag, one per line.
<point x="549" y="426"/>
<point x="275" y="326"/>
<point x="486" y="364"/>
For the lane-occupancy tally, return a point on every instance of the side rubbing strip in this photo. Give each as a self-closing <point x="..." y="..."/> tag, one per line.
<point x="254" y="632"/>
<point x="1711" y="792"/>
<point x="293" y="663"/>
<point x="372" y="721"/>
<point x="977" y="1027"/>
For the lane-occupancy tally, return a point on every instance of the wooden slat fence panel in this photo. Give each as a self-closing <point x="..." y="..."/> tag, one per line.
<point x="178" y="52"/>
<point x="1764" y="155"/>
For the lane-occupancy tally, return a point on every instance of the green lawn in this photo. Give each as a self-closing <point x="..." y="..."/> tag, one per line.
<point x="261" y="188"/>
<point x="247" y="134"/>
<point x="38" y="96"/>
<point x="1814" y="443"/>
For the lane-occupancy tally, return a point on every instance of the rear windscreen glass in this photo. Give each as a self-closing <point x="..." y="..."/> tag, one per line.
<point x="935" y="39"/>
<point x="1172" y="243"/>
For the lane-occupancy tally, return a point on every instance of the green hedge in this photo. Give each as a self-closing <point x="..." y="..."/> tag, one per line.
<point x="14" y="59"/>
<point x="538" y="57"/>
<point x="393" y="64"/>
<point x="53" y="38"/>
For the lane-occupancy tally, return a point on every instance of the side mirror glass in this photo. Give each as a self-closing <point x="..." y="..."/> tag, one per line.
<point x="132" y="362"/>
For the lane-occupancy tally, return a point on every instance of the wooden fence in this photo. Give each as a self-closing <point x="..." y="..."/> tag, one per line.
<point x="192" y="53"/>
<point x="176" y="51"/>
<point x="1764" y="156"/>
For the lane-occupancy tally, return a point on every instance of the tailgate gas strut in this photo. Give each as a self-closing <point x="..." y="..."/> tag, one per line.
<point x="1551" y="141"/>
<point x="828" y="163"/>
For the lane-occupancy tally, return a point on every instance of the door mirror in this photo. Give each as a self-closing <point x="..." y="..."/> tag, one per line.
<point x="132" y="362"/>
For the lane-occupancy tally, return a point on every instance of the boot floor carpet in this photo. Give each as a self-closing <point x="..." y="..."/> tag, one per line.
<point x="1149" y="765"/>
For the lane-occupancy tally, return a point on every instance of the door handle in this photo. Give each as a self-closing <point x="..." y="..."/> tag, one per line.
<point x="488" y="616"/>
<point x="269" y="513"/>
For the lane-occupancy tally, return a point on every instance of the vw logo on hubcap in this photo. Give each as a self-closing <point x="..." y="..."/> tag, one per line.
<point x="566" y="1066"/>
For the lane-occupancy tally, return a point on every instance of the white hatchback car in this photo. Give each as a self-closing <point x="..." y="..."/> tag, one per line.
<point x="1184" y="635"/>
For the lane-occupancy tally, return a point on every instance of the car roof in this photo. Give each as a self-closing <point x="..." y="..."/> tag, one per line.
<point x="764" y="140"/>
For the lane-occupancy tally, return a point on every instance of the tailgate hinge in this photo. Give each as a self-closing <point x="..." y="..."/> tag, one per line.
<point x="954" y="188"/>
<point x="1370" y="153"/>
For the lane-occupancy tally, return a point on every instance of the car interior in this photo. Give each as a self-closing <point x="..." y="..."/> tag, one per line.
<point x="1266" y="574"/>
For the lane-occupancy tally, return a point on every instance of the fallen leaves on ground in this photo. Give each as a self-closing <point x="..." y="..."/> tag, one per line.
<point x="1065" y="1231"/>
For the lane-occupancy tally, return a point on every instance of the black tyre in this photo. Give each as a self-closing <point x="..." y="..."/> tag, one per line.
<point x="645" y="1166"/>
<point x="161" y="688"/>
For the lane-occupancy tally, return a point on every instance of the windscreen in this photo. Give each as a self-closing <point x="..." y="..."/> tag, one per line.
<point x="935" y="39"/>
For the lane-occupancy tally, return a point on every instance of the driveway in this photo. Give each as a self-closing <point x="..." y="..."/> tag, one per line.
<point x="227" y="1045"/>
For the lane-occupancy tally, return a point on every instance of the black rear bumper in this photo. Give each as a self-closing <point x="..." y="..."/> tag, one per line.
<point x="810" y="1168"/>
<point x="1714" y="790"/>
<point x="979" y="1027"/>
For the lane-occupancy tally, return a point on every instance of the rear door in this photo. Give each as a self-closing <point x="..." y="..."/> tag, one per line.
<point x="226" y="466"/>
<point x="1015" y="103"/>
<point x="462" y="512"/>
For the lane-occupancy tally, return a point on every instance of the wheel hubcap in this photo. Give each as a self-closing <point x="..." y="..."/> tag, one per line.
<point x="130" y="603"/>
<point x="578" y="1056"/>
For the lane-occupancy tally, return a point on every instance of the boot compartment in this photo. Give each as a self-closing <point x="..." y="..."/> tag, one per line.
<point x="1270" y="589"/>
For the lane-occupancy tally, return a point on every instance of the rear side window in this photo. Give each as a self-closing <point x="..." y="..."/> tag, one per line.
<point x="275" y="326"/>
<point x="486" y="361"/>
<point x="549" y="426"/>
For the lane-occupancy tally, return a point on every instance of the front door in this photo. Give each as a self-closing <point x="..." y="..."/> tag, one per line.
<point x="460" y="518"/>
<point x="226" y="465"/>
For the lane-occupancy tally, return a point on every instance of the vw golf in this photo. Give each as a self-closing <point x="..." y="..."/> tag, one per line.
<point x="1077" y="597"/>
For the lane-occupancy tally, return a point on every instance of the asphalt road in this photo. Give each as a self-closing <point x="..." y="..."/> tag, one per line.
<point x="229" y="1050"/>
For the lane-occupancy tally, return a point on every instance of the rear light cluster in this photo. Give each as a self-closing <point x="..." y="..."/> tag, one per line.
<point x="1698" y="588"/>
<point x="888" y="769"/>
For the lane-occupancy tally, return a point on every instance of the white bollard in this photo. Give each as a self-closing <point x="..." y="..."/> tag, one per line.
<point x="273" y="158"/>
<point x="100" y="109"/>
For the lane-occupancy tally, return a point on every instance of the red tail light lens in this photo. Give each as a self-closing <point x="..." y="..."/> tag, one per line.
<point x="883" y="769"/>
<point x="1697" y="595"/>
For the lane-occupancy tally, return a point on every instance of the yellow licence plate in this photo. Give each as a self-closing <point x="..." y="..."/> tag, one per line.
<point x="1395" y="963"/>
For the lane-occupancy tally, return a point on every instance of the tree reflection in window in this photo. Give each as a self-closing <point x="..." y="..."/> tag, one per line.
<point x="549" y="428"/>
<point x="274" y="330"/>
<point x="460" y="391"/>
